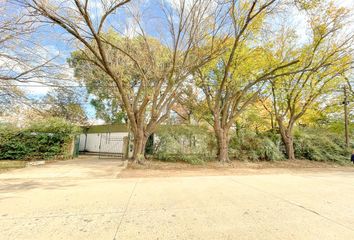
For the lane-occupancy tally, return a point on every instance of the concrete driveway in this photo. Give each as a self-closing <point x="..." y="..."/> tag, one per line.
<point x="84" y="199"/>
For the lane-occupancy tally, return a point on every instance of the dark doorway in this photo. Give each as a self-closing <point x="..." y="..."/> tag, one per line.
<point x="149" y="148"/>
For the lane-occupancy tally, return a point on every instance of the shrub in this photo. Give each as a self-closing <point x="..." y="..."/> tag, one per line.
<point x="247" y="145"/>
<point x="326" y="146"/>
<point x="54" y="126"/>
<point x="197" y="145"/>
<point x="308" y="144"/>
<point x="190" y="144"/>
<point x="194" y="159"/>
<point x="41" y="140"/>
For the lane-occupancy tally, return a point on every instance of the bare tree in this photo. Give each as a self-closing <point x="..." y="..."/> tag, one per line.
<point x="22" y="59"/>
<point x="148" y="96"/>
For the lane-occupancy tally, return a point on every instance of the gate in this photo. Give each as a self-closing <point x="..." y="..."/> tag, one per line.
<point x="76" y="146"/>
<point x="110" y="146"/>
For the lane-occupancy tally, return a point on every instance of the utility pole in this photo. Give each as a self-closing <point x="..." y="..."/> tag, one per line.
<point x="346" y="119"/>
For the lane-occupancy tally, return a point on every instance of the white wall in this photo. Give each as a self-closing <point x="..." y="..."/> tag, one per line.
<point x="82" y="142"/>
<point x="93" y="142"/>
<point x="111" y="142"/>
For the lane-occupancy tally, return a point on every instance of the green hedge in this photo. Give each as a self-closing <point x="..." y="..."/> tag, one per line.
<point x="41" y="140"/>
<point x="326" y="146"/>
<point x="191" y="144"/>
<point x="196" y="145"/>
<point x="247" y="145"/>
<point x="308" y="144"/>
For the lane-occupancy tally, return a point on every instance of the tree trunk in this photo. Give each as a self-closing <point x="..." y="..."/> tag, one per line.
<point x="289" y="146"/>
<point x="139" y="146"/>
<point x="222" y="137"/>
<point x="287" y="138"/>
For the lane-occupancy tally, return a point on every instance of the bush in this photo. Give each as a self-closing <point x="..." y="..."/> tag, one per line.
<point x="326" y="146"/>
<point x="190" y="144"/>
<point x="194" y="159"/>
<point x="197" y="145"/>
<point x="54" y="126"/>
<point x="41" y="140"/>
<point x="247" y="145"/>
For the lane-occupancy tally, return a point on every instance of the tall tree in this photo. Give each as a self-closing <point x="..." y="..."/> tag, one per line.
<point x="232" y="82"/>
<point x="158" y="68"/>
<point x="323" y="59"/>
<point x="65" y="103"/>
<point x="105" y="96"/>
<point x="109" y="110"/>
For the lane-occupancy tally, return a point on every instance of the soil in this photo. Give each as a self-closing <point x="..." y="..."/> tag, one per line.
<point x="153" y="168"/>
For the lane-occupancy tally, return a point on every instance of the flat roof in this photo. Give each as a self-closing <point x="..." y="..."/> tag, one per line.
<point x="106" y="128"/>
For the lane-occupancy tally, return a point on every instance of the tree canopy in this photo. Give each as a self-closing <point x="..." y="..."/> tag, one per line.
<point x="238" y="68"/>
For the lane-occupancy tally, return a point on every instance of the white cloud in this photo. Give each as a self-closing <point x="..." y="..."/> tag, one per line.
<point x="345" y="3"/>
<point x="178" y="3"/>
<point x="48" y="51"/>
<point x="131" y="28"/>
<point x="350" y="5"/>
<point x="96" y="121"/>
<point x="35" y="89"/>
<point x="96" y="9"/>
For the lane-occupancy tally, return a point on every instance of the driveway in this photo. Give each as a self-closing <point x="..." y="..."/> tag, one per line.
<point x="84" y="199"/>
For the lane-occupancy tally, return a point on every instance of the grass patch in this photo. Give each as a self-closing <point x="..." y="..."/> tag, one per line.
<point x="10" y="164"/>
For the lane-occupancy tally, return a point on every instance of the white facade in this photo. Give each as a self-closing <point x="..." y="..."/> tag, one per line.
<point x="103" y="142"/>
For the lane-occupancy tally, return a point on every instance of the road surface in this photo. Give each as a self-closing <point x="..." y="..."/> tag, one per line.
<point x="86" y="199"/>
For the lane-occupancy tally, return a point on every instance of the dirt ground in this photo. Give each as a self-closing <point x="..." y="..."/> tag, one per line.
<point x="165" y="169"/>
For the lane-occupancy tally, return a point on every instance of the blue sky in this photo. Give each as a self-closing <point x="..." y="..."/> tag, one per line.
<point x="59" y="44"/>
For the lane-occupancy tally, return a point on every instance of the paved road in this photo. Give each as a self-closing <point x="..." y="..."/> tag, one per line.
<point x="84" y="199"/>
